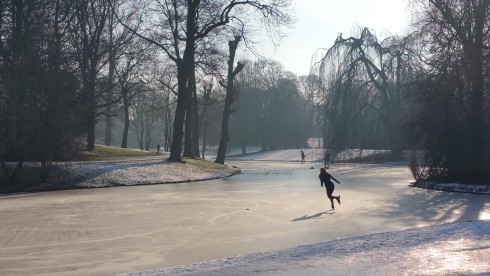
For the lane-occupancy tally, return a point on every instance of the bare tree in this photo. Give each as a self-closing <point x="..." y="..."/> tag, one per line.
<point x="207" y="101"/>
<point x="166" y="82"/>
<point x="91" y="17"/>
<point x="38" y="88"/>
<point x="185" y="24"/>
<point x="229" y="99"/>
<point x="455" y="47"/>
<point x="380" y="67"/>
<point x="144" y="119"/>
<point x="130" y="80"/>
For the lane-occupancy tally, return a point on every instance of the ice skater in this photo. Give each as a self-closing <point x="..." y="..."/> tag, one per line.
<point x="326" y="159"/>
<point x="302" y="157"/>
<point x="325" y="178"/>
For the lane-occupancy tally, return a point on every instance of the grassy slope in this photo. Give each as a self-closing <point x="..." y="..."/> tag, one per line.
<point x="28" y="179"/>
<point x="201" y="163"/>
<point x="112" y="153"/>
<point x="101" y="153"/>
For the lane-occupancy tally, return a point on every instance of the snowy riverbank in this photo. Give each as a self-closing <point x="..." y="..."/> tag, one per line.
<point x="156" y="170"/>
<point x="451" y="249"/>
<point x="140" y="172"/>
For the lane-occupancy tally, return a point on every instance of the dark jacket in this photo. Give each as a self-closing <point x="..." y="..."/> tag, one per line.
<point x="325" y="178"/>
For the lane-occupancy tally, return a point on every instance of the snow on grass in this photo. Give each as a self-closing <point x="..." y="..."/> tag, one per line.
<point x="290" y="155"/>
<point x="106" y="174"/>
<point x="451" y="249"/>
<point x="455" y="187"/>
<point x="155" y="171"/>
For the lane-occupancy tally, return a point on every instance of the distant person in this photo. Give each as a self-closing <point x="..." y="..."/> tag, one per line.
<point x="302" y="157"/>
<point x="325" y="178"/>
<point x="326" y="159"/>
<point x="158" y="148"/>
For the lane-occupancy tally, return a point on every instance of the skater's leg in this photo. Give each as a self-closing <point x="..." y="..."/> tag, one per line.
<point x="329" y="194"/>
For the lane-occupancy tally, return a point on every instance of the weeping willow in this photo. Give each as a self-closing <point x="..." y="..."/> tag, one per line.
<point x="363" y="81"/>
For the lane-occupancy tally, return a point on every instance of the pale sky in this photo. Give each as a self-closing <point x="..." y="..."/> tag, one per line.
<point x="318" y="23"/>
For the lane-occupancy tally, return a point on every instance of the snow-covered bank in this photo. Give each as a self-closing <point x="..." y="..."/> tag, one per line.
<point x="158" y="171"/>
<point x="454" y="187"/>
<point x="138" y="172"/>
<point x="451" y="249"/>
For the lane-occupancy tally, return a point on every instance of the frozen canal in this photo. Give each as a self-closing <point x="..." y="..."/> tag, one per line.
<point x="271" y="205"/>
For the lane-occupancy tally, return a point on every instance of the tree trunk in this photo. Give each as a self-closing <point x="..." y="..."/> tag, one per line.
<point x="186" y="84"/>
<point x="230" y="98"/>
<point x="108" y="119"/>
<point x="195" y="125"/>
<point x="168" y="128"/>
<point x="124" y="143"/>
<point x="178" y="129"/>
<point x="223" y="142"/>
<point x="203" y="144"/>
<point x="91" y="133"/>
<point x="477" y="117"/>
<point x="91" y="106"/>
<point x="189" y="120"/>
<point x="108" y="127"/>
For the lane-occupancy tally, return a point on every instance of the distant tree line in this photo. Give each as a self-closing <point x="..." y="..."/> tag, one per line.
<point x="271" y="109"/>
<point x="428" y="91"/>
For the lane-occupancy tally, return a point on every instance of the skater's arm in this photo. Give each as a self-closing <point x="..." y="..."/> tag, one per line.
<point x="335" y="179"/>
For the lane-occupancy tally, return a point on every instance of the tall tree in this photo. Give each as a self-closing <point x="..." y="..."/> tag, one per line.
<point x="469" y="23"/>
<point x="38" y="88"/>
<point x="166" y="81"/>
<point x="229" y="99"/>
<point x="380" y="66"/>
<point x="92" y="17"/>
<point x="204" y="116"/>
<point x="187" y="23"/>
<point x="454" y="43"/>
<point x="129" y="79"/>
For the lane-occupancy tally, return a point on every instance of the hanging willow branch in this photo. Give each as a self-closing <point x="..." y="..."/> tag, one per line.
<point x="371" y="73"/>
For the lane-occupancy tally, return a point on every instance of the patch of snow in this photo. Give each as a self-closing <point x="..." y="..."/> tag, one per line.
<point x="450" y="249"/>
<point x="290" y="155"/>
<point x="106" y="174"/>
<point x="311" y="155"/>
<point x="454" y="187"/>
